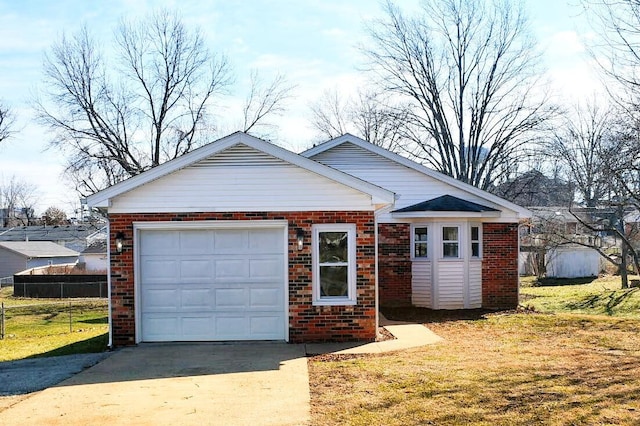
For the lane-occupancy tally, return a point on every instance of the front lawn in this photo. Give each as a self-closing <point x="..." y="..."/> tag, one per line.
<point x="45" y="327"/>
<point x="597" y="296"/>
<point x="498" y="369"/>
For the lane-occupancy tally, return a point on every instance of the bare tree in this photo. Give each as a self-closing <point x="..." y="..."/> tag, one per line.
<point x="580" y="144"/>
<point x="17" y="201"/>
<point x="7" y="121"/>
<point x="470" y="75"/>
<point x="371" y="116"/>
<point x="151" y="103"/>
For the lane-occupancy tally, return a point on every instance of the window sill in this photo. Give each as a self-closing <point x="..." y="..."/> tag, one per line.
<point x="334" y="302"/>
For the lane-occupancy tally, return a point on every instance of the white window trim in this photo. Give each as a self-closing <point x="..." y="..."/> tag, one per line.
<point x="479" y="240"/>
<point x="413" y="242"/>
<point x="351" y="298"/>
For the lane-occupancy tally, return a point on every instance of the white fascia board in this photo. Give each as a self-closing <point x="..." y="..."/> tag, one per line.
<point x="378" y="195"/>
<point x="520" y="211"/>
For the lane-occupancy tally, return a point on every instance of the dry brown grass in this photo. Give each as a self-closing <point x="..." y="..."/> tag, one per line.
<point x="496" y="369"/>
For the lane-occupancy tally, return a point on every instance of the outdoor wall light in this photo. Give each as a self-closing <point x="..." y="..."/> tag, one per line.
<point x="300" y="238"/>
<point x="119" y="242"/>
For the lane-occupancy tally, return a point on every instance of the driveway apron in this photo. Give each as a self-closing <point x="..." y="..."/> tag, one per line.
<point x="179" y="384"/>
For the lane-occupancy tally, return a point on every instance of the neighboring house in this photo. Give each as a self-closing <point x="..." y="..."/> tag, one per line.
<point x="94" y="257"/>
<point x="244" y="240"/>
<point x="555" y="245"/>
<point x="16" y="256"/>
<point x="73" y="237"/>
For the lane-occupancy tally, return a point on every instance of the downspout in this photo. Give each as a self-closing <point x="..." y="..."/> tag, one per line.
<point x="375" y="251"/>
<point x="110" y="344"/>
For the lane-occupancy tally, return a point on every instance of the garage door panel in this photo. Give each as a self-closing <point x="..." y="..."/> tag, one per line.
<point x="196" y="269"/>
<point x="231" y="326"/>
<point x="263" y="326"/>
<point x="226" y="298"/>
<point x="212" y="284"/>
<point x="195" y="298"/>
<point x="230" y="241"/>
<point x="265" y="241"/>
<point x="270" y="269"/>
<point x="160" y="243"/>
<point x="161" y="299"/>
<point x="160" y="328"/>
<point x="160" y="269"/>
<point x="196" y="242"/>
<point x="265" y="298"/>
<point x="230" y="268"/>
<point x="196" y="327"/>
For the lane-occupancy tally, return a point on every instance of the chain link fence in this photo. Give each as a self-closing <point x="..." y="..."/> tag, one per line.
<point x="31" y="318"/>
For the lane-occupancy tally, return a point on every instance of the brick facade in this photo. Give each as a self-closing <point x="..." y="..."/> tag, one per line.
<point x="500" y="265"/>
<point x="307" y="323"/>
<point x="394" y="264"/>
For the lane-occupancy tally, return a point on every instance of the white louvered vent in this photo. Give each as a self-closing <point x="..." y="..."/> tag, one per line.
<point x="240" y="155"/>
<point x="350" y="156"/>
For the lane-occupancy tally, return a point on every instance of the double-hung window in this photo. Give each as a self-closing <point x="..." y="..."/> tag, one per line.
<point x="475" y="241"/>
<point x="334" y="264"/>
<point x="420" y="242"/>
<point x="450" y="241"/>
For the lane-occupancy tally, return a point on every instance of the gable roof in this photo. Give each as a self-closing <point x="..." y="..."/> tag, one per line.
<point x="349" y="138"/>
<point x="378" y="195"/>
<point x="38" y="249"/>
<point x="446" y="203"/>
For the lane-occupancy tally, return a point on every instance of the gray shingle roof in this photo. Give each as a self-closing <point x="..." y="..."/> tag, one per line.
<point x="48" y="233"/>
<point x="446" y="203"/>
<point x="38" y="248"/>
<point x="98" y="246"/>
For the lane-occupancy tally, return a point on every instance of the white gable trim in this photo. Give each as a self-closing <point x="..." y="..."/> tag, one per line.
<point x="348" y="138"/>
<point x="378" y="195"/>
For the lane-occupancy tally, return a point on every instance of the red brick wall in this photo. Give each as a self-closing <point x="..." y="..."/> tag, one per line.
<point x="500" y="265"/>
<point x="394" y="264"/>
<point x="307" y="323"/>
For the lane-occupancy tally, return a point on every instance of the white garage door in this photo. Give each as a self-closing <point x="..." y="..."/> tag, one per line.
<point x="212" y="284"/>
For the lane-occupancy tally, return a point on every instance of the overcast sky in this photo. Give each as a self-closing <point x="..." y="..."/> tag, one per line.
<point x="313" y="43"/>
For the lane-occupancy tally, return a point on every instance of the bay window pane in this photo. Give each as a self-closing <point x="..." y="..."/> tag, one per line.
<point x="475" y="249"/>
<point x="420" y="250"/>
<point x="450" y="249"/>
<point x="333" y="281"/>
<point x="420" y="234"/>
<point x="450" y="233"/>
<point x="475" y="234"/>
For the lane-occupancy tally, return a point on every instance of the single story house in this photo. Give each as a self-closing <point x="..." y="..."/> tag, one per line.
<point x="16" y="256"/>
<point x="244" y="240"/>
<point x="94" y="257"/>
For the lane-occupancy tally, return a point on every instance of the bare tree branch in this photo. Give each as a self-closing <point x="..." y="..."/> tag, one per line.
<point x="7" y="121"/>
<point x="469" y="74"/>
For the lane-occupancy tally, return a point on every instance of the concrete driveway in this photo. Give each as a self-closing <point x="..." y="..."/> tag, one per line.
<point x="179" y="384"/>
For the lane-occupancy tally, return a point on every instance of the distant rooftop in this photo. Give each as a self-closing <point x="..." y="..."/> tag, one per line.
<point x="96" y="247"/>
<point x="38" y="248"/>
<point x="48" y="233"/>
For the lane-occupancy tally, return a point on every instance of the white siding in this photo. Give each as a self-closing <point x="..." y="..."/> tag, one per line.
<point x="241" y="179"/>
<point x="450" y="283"/>
<point x="475" y="284"/>
<point x="421" y="283"/>
<point x="410" y="185"/>
<point x="573" y="262"/>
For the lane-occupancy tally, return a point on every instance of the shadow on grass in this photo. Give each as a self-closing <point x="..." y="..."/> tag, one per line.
<point x="103" y="320"/>
<point x="554" y="282"/>
<point x="92" y="345"/>
<point x="607" y="301"/>
<point x="424" y="315"/>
